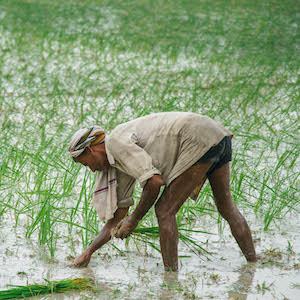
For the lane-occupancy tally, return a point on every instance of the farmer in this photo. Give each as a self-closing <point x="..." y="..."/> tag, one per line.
<point x="176" y="150"/>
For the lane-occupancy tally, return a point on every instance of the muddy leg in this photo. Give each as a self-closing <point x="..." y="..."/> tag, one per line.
<point x="220" y="184"/>
<point x="168" y="205"/>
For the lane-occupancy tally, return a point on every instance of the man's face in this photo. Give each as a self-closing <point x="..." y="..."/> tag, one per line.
<point x="96" y="161"/>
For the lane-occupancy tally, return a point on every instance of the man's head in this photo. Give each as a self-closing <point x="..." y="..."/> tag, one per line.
<point x="87" y="147"/>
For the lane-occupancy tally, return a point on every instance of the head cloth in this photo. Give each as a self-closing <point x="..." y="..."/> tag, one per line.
<point x="85" y="137"/>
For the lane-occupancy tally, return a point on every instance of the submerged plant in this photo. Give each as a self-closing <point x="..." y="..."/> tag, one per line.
<point x="62" y="286"/>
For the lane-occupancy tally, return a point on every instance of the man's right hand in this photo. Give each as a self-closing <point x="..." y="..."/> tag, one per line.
<point x="82" y="260"/>
<point x="103" y="237"/>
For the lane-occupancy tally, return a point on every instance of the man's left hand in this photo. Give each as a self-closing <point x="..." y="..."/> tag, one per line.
<point x="126" y="227"/>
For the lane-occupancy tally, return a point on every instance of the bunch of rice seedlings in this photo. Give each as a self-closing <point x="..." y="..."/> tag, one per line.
<point x="62" y="286"/>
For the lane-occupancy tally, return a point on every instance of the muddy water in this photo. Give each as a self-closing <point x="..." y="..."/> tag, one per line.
<point x="139" y="274"/>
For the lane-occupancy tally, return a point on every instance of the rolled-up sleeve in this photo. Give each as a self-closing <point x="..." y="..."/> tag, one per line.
<point x="124" y="154"/>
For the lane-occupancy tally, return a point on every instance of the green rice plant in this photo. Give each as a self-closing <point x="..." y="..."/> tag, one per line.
<point x="147" y="234"/>
<point x="62" y="286"/>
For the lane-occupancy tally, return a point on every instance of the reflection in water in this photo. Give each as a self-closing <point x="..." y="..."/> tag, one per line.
<point x="240" y="289"/>
<point x="88" y="273"/>
<point x="170" y="285"/>
<point x="242" y="286"/>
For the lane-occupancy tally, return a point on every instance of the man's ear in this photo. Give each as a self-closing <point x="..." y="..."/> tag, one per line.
<point x="90" y="149"/>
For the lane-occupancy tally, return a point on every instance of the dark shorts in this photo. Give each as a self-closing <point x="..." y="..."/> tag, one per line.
<point x="218" y="155"/>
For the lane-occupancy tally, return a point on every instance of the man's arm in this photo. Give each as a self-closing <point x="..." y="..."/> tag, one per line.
<point x="149" y="195"/>
<point x="102" y="238"/>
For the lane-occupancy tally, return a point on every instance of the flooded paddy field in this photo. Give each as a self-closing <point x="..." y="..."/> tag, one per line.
<point x="66" y="65"/>
<point x="138" y="273"/>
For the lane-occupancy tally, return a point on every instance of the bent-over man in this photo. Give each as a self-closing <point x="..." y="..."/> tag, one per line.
<point x="177" y="150"/>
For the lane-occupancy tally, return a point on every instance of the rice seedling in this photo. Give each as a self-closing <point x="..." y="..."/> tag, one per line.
<point x="62" y="286"/>
<point x="147" y="234"/>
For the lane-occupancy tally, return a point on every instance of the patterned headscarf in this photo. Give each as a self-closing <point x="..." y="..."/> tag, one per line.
<point x="85" y="137"/>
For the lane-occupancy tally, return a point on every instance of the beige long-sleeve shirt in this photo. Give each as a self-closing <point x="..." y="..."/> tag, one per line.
<point x="163" y="143"/>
